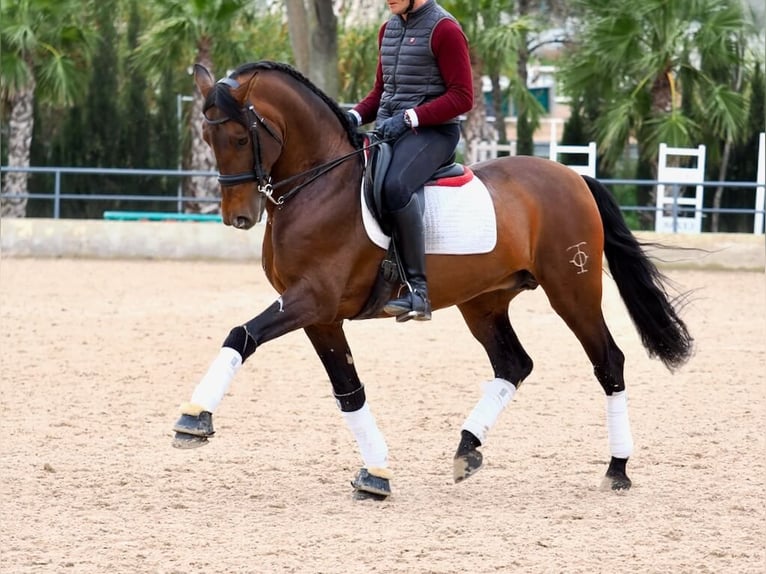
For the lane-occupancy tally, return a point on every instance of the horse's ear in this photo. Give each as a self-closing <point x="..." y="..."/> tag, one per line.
<point x="203" y="79"/>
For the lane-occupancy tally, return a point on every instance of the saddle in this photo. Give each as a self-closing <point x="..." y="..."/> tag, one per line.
<point x="390" y="273"/>
<point x="378" y="162"/>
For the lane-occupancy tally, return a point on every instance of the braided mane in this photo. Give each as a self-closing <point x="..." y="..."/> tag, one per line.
<point x="220" y="96"/>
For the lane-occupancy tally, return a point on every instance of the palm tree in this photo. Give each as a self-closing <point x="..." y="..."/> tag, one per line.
<point x="505" y="49"/>
<point x="475" y="18"/>
<point x="656" y="65"/>
<point x="357" y="59"/>
<point x="187" y="32"/>
<point x="43" y="46"/>
<point x="502" y="40"/>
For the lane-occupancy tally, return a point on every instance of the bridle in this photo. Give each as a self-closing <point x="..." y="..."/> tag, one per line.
<point x="258" y="174"/>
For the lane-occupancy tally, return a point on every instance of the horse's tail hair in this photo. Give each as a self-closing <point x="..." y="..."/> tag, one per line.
<point x="643" y="288"/>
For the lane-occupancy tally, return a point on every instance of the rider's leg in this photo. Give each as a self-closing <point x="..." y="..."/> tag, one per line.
<point x="410" y="245"/>
<point x="416" y="156"/>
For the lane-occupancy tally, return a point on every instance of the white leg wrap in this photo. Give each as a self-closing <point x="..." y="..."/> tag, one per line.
<point x="618" y="425"/>
<point x="210" y="391"/>
<point x="497" y="394"/>
<point x="372" y="445"/>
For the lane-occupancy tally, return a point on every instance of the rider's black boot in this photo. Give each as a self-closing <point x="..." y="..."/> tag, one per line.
<point x="410" y="245"/>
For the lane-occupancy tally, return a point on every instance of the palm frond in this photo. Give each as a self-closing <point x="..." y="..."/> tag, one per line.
<point x="60" y="78"/>
<point x="673" y="128"/>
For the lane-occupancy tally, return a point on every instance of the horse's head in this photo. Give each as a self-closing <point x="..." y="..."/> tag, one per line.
<point x="248" y="130"/>
<point x="245" y="145"/>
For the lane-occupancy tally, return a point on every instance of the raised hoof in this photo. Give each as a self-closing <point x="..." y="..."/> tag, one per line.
<point x="193" y="431"/>
<point x="368" y="486"/>
<point x="200" y="425"/>
<point x="467" y="464"/>
<point x="616" y="478"/>
<point x="184" y="440"/>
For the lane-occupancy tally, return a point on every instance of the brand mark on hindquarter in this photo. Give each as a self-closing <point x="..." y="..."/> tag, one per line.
<point x="579" y="258"/>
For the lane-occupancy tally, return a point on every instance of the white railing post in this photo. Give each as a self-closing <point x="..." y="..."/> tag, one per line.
<point x="589" y="150"/>
<point x="668" y="218"/>
<point x="760" y="179"/>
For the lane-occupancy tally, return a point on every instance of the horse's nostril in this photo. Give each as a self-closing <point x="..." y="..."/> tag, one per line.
<point x="242" y="222"/>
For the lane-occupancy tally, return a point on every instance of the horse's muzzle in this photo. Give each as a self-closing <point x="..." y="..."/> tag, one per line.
<point x="242" y="222"/>
<point x="242" y="208"/>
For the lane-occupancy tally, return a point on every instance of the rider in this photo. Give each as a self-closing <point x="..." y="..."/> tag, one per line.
<point x="422" y="84"/>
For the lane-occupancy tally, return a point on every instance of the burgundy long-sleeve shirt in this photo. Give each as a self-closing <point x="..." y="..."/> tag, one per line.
<point x="450" y="49"/>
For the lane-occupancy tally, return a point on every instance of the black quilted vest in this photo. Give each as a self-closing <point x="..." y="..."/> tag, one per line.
<point x="410" y="74"/>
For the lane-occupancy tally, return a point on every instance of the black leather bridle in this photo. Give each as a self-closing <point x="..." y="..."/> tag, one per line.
<point x="258" y="174"/>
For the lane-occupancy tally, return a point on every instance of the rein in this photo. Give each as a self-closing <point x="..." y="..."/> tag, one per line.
<point x="258" y="173"/>
<point x="320" y="171"/>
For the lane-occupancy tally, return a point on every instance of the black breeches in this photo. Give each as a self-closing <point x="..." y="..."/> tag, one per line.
<point x="416" y="156"/>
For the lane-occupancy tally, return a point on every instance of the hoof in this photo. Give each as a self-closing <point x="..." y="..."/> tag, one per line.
<point x="616" y="478"/>
<point x="193" y="430"/>
<point x="467" y="464"/>
<point x="615" y="483"/>
<point x="195" y="425"/>
<point x="368" y="486"/>
<point x="184" y="440"/>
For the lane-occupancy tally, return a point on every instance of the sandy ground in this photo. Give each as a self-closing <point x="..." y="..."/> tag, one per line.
<point x="97" y="355"/>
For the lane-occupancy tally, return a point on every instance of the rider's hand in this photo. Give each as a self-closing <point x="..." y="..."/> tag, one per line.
<point x="393" y="127"/>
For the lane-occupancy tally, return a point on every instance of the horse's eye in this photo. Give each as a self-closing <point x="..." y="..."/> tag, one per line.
<point x="242" y="142"/>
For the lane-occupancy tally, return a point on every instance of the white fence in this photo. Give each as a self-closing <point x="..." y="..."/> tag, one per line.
<point x="484" y="150"/>
<point x="588" y="168"/>
<point x="671" y="217"/>
<point x="677" y="209"/>
<point x="760" y="179"/>
<point x="672" y="209"/>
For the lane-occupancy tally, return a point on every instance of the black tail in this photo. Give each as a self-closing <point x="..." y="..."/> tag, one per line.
<point x="641" y="285"/>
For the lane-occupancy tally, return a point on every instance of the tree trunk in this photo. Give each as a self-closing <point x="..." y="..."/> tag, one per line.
<point x="20" y="127"/>
<point x="715" y="220"/>
<point x="298" y="29"/>
<point x="662" y="93"/>
<point x="718" y="195"/>
<point x="497" y="103"/>
<point x="525" y="144"/>
<point x="475" y="128"/>
<point x="202" y="158"/>
<point x="323" y="56"/>
<point x="313" y="29"/>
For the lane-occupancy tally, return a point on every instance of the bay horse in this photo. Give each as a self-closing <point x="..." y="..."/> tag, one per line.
<point x="282" y="144"/>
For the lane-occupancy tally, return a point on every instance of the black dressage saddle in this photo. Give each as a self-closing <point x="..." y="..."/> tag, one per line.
<point x="377" y="166"/>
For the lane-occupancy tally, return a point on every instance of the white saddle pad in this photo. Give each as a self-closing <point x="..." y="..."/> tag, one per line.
<point x="457" y="220"/>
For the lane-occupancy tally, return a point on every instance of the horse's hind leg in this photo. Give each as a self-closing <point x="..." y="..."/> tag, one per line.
<point x="579" y="304"/>
<point x="487" y="319"/>
<point x="373" y="479"/>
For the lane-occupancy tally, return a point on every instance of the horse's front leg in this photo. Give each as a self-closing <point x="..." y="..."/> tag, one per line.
<point x="289" y="312"/>
<point x="373" y="479"/>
